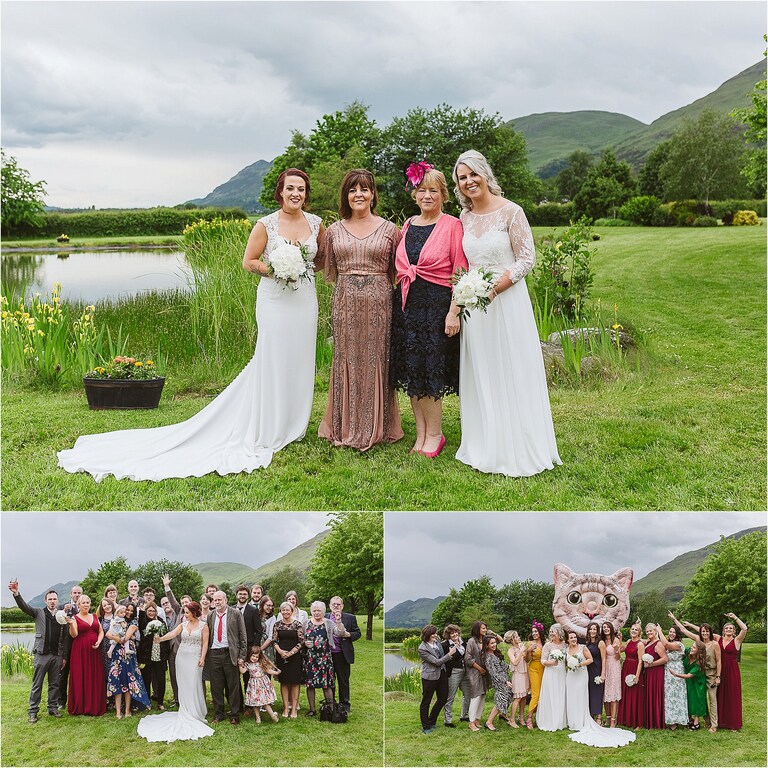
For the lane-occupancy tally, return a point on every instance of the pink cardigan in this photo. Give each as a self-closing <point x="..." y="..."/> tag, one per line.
<point x="440" y="257"/>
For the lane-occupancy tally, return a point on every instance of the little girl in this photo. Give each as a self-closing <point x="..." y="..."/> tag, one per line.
<point x="260" y="692"/>
<point x="119" y="626"/>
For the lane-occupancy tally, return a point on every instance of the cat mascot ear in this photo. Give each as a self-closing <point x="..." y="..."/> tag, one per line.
<point x="563" y="573"/>
<point x="623" y="577"/>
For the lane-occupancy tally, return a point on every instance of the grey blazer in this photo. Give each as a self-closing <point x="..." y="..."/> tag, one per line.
<point x="39" y="616"/>
<point x="432" y="663"/>
<point x="236" y="638"/>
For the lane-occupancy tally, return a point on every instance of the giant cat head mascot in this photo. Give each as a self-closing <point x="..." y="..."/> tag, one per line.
<point x="584" y="597"/>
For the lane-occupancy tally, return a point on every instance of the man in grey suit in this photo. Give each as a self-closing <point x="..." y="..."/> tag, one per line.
<point x="45" y="651"/>
<point x="227" y="648"/>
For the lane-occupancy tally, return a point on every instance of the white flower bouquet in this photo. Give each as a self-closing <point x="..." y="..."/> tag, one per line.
<point x="597" y="680"/>
<point x="472" y="289"/>
<point x="154" y="627"/>
<point x="572" y="662"/>
<point x="630" y="680"/>
<point x="557" y="655"/>
<point x="289" y="263"/>
<point x="647" y="658"/>
<point x="61" y="617"/>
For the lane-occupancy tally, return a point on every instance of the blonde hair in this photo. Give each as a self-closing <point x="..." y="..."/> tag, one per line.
<point x="476" y="162"/>
<point x="558" y="630"/>
<point x="436" y="178"/>
<point x="511" y="637"/>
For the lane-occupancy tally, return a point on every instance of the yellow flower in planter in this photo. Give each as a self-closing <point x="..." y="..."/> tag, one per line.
<point x="138" y="364"/>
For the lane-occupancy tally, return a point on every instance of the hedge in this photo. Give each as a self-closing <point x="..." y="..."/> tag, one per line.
<point x="550" y="214"/>
<point x="398" y="634"/>
<point x="14" y="616"/>
<point x="121" y="222"/>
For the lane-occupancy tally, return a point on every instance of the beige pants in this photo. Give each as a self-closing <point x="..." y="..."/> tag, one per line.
<point x="711" y="696"/>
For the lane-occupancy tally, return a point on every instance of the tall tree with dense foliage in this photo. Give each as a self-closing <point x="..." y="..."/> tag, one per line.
<point x="650" y="606"/>
<point x="704" y="159"/>
<point x="520" y="602"/>
<point x="288" y="578"/>
<point x="754" y="118"/>
<point x="475" y="592"/>
<point x="731" y="579"/>
<point x="440" y="135"/>
<point x="185" y="580"/>
<point x="609" y="184"/>
<point x="327" y="146"/>
<point x="571" y="179"/>
<point x="116" y="572"/>
<point x="649" y="181"/>
<point x="349" y="562"/>
<point x="22" y="200"/>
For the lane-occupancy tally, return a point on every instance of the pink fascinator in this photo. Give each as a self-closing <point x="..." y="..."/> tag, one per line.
<point x="415" y="173"/>
<point x="538" y="626"/>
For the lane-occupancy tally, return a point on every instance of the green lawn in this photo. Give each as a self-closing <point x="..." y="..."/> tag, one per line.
<point x="405" y="744"/>
<point x="684" y="428"/>
<point x="81" y="243"/>
<point x="306" y="741"/>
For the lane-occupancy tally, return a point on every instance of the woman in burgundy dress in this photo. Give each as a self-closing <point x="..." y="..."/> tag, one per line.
<point x="632" y="696"/>
<point x="87" y="689"/>
<point x="653" y="700"/>
<point x="729" y="692"/>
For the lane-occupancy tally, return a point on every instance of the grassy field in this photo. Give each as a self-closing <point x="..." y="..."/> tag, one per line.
<point x="81" y="243"/>
<point x="84" y="741"/>
<point x="682" y="429"/>
<point x="405" y="744"/>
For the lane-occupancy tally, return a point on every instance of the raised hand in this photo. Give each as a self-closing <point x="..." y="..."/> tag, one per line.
<point x="13" y="585"/>
<point x="166" y="580"/>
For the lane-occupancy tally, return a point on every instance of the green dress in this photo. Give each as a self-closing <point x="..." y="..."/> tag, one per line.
<point x="697" y="688"/>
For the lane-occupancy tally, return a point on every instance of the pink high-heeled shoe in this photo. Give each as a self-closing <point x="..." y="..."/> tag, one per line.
<point x="435" y="453"/>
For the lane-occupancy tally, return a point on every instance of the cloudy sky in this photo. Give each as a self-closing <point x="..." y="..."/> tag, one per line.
<point x="428" y="553"/>
<point x="44" y="548"/>
<point x="145" y="103"/>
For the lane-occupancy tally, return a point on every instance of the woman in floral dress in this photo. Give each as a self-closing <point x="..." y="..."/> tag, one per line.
<point x="318" y="662"/>
<point x="498" y="674"/>
<point x="675" y="688"/>
<point x="611" y="673"/>
<point x="123" y="680"/>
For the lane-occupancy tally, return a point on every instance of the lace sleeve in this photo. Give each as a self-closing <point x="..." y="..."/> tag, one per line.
<point x="326" y="257"/>
<point x="521" y="239"/>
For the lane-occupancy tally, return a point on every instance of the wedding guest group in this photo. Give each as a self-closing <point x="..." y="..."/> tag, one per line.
<point x="600" y="686"/>
<point x="122" y="656"/>
<point x="397" y="325"/>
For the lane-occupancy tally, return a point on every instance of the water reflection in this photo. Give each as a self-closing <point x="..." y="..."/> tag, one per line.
<point x="394" y="663"/>
<point x="90" y="277"/>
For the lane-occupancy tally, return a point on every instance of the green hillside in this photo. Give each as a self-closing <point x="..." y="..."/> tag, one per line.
<point x="238" y="573"/>
<point x="412" y="613"/>
<point x="241" y="191"/>
<point x="672" y="577"/>
<point x="552" y="136"/>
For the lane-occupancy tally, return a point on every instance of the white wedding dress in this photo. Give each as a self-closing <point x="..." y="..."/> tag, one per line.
<point x="265" y="408"/>
<point x="506" y="422"/>
<point x="579" y="718"/>
<point x="189" y="722"/>
<point x="550" y="713"/>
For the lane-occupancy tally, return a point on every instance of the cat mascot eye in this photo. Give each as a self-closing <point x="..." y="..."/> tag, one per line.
<point x="610" y="600"/>
<point x="574" y="598"/>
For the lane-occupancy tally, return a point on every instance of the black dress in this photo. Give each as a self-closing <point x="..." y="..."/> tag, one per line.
<point x="288" y="636"/>
<point x="595" y="691"/>
<point x="424" y="362"/>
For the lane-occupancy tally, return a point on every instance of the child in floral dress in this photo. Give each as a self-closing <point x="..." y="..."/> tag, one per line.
<point x="260" y="692"/>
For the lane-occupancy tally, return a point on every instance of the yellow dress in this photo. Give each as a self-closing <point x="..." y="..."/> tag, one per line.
<point x="535" y="673"/>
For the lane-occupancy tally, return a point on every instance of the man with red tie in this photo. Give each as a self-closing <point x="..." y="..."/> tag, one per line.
<point x="227" y="649"/>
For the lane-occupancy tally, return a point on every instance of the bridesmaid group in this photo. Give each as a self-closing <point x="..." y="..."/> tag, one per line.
<point x="660" y="684"/>
<point x="395" y="326"/>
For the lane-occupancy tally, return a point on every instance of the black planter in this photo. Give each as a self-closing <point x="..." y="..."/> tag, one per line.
<point x="118" y="394"/>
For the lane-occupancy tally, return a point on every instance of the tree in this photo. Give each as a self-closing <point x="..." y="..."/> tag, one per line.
<point x="754" y="118"/>
<point x="22" y="200"/>
<point x="731" y="579"/>
<point x="116" y="572"/>
<point x="185" y="580"/>
<point x="440" y="135"/>
<point x="650" y="606"/>
<point x="608" y="185"/>
<point x="520" y="602"/>
<point x="477" y="594"/>
<point x="349" y="562"/>
<point x="327" y="176"/>
<point x="649" y="181"/>
<point x="329" y="142"/>
<point x="704" y="159"/>
<point x="288" y="578"/>
<point x="571" y="179"/>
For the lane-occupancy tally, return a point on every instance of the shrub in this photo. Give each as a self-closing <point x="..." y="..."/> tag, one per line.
<point x="745" y="219"/>
<point x="398" y="634"/>
<point x="408" y="680"/>
<point x="16" y="659"/>
<point x="550" y="214"/>
<point x="663" y="217"/>
<point x="14" y="616"/>
<point x="640" y="210"/>
<point x="721" y="208"/>
<point x="563" y="273"/>
<point x="613" y="223"/>
<point x="704" y="221"/>
<point x="410" y="647"/>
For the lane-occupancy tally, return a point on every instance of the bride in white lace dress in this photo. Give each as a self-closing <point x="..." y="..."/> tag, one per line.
<point x="266" y="407"/>
<point x="506" y="422"/>
<point x="189" y="722"/>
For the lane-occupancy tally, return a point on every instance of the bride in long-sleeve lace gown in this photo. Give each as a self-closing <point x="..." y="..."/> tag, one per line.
<point x="266" y="407"/>
<point x="189" y="722"/>
<point x="506" y="422"/>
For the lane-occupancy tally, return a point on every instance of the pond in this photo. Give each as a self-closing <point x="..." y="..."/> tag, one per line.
<point x="17" y="636"/>
<point x="93" y="276"/>
<point x="394" y="663"/>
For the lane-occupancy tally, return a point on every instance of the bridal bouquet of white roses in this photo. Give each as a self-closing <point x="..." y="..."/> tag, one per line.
<point x="61" y="617"/>
<point x="630" y="680"/>
<point x="557" y="655"/>
<point x="572" y="662"/>
<point x="154" y="627"/>
<point x="472" y="289"/>
<point x="597" y="680"/>
<point x="647" y="658"/>
<point x="289" y="263"/>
